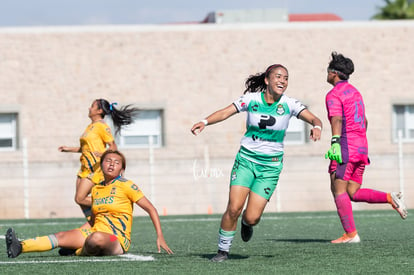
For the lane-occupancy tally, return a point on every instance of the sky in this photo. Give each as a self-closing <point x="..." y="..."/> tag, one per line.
<point x="16" y="13"/>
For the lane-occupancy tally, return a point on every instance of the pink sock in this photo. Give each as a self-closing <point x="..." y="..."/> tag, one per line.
<point x="344" y="207"/>
<point x="370" y="196"/>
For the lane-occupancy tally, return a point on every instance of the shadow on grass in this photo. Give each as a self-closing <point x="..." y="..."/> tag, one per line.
<point x="231" y="256"/>
<point x="300" y="240"/>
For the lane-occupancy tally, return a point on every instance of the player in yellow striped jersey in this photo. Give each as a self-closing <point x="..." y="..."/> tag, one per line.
<point x="96" y="138"/>
<point x="112" y="210"/>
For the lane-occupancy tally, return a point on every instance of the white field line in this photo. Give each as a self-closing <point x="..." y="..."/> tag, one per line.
<point x="123" y="258"/>
<point x="328" y="216"/>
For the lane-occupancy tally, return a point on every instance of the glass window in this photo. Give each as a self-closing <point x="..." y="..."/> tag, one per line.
<point x="295" y="133"/>
<point x="403" y="120"/>
<point x="146" y="129"/>
<point x="8" y="131"/>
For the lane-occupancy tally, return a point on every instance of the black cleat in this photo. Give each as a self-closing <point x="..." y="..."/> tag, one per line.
<point x="67" y="252"/>
<point x="246" y="232"/>
<point x="14" y="247"/>
<point x="220" y="257"/>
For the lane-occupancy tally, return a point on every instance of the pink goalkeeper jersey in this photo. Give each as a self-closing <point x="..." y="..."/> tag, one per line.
<point x="344" y="100"/>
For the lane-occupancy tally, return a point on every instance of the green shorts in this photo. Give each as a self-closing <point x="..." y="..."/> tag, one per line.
<point x="260" y="179"/>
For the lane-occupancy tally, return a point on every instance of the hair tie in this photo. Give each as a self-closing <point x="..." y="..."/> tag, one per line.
<point x="111" y="106"/>
<point x="272" y="67"/>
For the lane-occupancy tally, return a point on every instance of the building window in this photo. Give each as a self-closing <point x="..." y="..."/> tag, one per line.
<point x="403" y="120"/>
<point x="295" y="133"/>
<point x="8" y="131"/>
<point x="146" y="129"/>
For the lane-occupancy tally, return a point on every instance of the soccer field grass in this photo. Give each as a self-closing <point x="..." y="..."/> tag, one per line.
<point x="283" y="243"/>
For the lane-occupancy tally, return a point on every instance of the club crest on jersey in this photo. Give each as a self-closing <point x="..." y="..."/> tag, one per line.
<point x="280" y="110"/>
<point x="113" y="190"/>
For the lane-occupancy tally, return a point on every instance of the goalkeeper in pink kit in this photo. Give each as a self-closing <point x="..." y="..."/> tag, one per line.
<point x="349" y="149"/>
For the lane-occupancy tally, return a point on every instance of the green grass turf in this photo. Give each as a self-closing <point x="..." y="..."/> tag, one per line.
<point x="283" y="243"/>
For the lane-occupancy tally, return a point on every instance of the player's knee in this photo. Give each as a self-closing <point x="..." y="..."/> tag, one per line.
<point x="251" y="220"/>
<point x="233" y="212"/>
<point x="78" y="200"/>
<point x="95" y="243"/>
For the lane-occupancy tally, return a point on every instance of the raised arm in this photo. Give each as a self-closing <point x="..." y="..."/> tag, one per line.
<point x="69" y="149"/>
<point x="215" y="117"/>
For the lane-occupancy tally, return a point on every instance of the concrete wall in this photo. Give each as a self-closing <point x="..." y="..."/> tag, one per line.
<point x="51" y="76"/>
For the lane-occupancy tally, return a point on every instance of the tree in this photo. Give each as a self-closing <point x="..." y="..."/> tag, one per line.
<point x="396" y="9"/>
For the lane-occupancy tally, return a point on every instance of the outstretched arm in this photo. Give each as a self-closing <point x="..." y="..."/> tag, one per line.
<point x="215" y="117"/>
<point x="69" y="149"/>
<point x="145" y="204"/>
<point x="315" y="132"/>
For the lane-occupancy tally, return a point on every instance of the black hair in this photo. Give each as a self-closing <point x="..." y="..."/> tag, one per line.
<point x="120" y="117"/>
<point x="256" y="83"/>
<point x="342" y="65"/>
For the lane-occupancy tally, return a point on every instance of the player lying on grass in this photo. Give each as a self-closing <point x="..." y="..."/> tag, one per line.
<point x="112" y="208"/>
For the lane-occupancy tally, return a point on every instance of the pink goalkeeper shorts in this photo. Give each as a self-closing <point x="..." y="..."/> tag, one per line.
<point x="348" y="171"/>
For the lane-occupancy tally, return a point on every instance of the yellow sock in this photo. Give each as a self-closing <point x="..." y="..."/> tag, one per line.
<point x="40" y="244"/>
<point x="78" y="252"/>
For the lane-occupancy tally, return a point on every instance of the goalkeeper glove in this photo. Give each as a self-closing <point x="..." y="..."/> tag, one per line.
<point x="334" y="153"/>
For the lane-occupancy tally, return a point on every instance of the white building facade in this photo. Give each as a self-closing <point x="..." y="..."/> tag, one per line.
<point x="178" y="75"/>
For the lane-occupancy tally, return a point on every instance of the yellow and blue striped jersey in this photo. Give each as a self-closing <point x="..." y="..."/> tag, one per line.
<point x="112" y="208"/>
<point x="93" y="143"/>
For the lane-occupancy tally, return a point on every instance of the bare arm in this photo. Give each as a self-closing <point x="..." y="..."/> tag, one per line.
<point x="336" y="125"/>
<point x="315" y="132"/>
<point x="112" y="146"/>
<point x="69" y="149"/>
<point x="145" y="204"/>
<point x="215" y="117"/>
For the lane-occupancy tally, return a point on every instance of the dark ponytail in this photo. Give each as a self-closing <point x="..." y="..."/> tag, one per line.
<point x="120" y="117"/>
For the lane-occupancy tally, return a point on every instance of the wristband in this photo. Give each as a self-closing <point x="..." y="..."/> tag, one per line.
<point x="335" y="139"/>
<point x="205" y="121"/>
<point x="318" y="127"/>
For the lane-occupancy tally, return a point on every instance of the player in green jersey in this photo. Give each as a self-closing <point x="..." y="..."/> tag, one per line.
<point x="258" y="163"/>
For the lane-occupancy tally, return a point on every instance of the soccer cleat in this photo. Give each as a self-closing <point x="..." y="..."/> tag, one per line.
<point x="67" y="252"/>
<point x="246" y="232"/>
<point x="220" y="257"/>
<point x="348" y="238"/>
<point x="14" y="247"/>
<point x="398" y="204"/>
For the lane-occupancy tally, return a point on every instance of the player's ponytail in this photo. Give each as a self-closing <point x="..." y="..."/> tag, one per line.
<point x="120" y="117"/>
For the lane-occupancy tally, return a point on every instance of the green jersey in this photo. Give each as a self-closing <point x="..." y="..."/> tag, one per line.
<point x="266" y="126"/>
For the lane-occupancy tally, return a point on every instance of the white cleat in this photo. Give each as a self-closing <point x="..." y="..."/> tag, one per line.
<point x="398" y="204"/>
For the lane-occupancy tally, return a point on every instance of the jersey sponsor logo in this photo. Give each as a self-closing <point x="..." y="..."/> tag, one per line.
<point x="105" y="200"/>
<point x="266" y="120"/>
